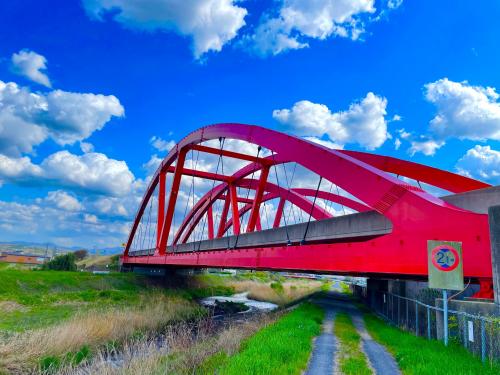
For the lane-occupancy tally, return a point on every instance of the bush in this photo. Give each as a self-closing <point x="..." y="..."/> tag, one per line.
<point x="81" y="254"/>
<point x="64" y="262"/>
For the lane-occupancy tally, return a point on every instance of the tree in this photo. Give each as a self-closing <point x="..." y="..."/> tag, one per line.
<point x="81" y="254"/>
<point x="64" y="262"/>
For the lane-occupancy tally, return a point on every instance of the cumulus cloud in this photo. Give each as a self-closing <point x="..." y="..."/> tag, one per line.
<point x="63" y="200"/>
<point x="28" y="119"/>
<point x="93" y="172"/>
<point x="45" y="221"/>
<point x="427" y="147"/>
<point x="464" y="111"/>
<point x="30" y="64"/>
<point x="211" y="23"/>
<point x="297" y="21"/>
<point x="481" y="162"/>
<point x="18" y="169"/>
<point x="71" y="117"/>
<point x="397" y="143"/>
<point x="363" y="123"/>
<point x="325" y="143"/>
<point x="161" y="144"/>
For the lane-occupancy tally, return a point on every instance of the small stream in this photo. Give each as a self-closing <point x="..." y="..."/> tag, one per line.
<point x="157" y="345"/>
<point x="240" y="298"/>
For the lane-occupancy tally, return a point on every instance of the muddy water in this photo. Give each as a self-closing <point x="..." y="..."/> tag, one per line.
<point x="158" y="345"/>
<point x="253" y="305"/>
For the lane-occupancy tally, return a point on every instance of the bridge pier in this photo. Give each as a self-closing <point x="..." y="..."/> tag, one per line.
<point x="494" y="222"/>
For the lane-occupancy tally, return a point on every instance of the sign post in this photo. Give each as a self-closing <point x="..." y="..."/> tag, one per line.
<point x="445" y="271"/>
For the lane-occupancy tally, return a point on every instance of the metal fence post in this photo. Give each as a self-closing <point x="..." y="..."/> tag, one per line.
<point x="407" y="319"/>
<point x="483" y="341"/>
<point x="445" y="316"/>
<point x="416" y="317"/>
<point x="399" y="311"/>
<point x="428" y="323"/>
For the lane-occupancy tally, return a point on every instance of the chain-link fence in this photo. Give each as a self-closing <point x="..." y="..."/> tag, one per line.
<point x="478" y="334"/>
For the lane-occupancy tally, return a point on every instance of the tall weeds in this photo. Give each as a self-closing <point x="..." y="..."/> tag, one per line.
<point x="21" y="352"/>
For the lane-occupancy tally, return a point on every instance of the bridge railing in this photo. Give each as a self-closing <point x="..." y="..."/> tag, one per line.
<point x="479" y="334"/>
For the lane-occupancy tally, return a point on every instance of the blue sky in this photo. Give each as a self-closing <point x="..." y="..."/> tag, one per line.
<point x="85" y="85"/>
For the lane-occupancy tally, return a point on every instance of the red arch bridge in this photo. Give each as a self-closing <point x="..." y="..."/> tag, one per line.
<point x="242" y="196"/>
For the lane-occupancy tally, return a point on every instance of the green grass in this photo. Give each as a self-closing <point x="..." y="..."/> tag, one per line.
<point x="345" y="288"/>
<point x="352" y="360"/>
<point x="41" y="298"/>
<point x="281" y="348"/>
<point x="419" y="356"/>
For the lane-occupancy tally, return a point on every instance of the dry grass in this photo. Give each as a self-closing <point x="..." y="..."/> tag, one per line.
<point x="21" y="352"/>
<point x="183" y="349"/>
<point x="10" y="306"/>
<point x="292" y="290"/>
<point x="95" y="260"/>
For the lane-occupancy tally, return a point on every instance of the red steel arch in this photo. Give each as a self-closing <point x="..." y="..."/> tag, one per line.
<point x="416" y="215"/>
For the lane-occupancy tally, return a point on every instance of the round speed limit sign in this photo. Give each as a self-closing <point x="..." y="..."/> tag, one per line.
<point x="445" y="258"/>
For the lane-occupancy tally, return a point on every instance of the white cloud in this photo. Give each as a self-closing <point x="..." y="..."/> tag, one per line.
<point x="44" y="222"/>
<point x="18" y="169"/>
<point x="325" y="143"/>
<point x="93" y="172"/>
<point x="364" y="122"/>
<point x="481" y="162"/>
<point x="86" y="147"/>
<point x="72" y="117"/>
<point x="464" y="111"/>
<point x="394" y="4"/>
<point x="211" y="23"/>
<point x="30" y="64"/>
<point x="397" y="143"/>
<point x="299" y="20"/>
<point x="404" y="134"/>
<point x="161" y="144"/>
<point x="63" y="200"/>
<point x="89" y="218"/>
<point x="427" y="147"/>
<point x="27" y="119"/>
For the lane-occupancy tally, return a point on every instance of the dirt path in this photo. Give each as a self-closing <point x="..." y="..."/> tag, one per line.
<point x="323" y="357"/>
<point x="380" y="359"/>
<point x="325" y="346"/>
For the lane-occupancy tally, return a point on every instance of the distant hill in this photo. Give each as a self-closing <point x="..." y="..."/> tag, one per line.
<point x="41" y="247"/>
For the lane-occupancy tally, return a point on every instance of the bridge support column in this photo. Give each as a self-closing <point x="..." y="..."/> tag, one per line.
<point x="494" y="221"/>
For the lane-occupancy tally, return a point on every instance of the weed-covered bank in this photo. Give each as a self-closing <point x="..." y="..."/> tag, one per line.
<point x="419" y="356"/>
<point x="283" y="347"/>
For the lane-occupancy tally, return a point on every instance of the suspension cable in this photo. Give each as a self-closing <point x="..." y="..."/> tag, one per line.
<point x="221" y="146"/>
<point x="289" y="185"/>
<point x="338" y="193"/>
<point x="310" y="213"/>
<point x="149" y="225"/>
<point x="279" y="193"/>
<point x="248" y="194"/>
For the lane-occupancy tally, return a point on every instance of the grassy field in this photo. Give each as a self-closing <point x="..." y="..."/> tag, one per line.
<point x="352" y="360"/>
<point x="52" y="318"/>
<point x="280" y="348"/>
<point x="33" y="299"/>
<point x="419" y="356"/>
<point x="46" y="315"/>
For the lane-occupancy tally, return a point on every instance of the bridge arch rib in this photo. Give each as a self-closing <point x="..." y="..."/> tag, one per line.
<point x="365" y="176"/>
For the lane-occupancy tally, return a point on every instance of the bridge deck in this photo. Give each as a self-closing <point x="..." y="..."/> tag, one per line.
<point x="354" y="227"/>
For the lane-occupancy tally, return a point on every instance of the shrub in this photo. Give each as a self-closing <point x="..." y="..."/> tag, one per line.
<point x="64" y="262"/>
<point x="81" y="254"/>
